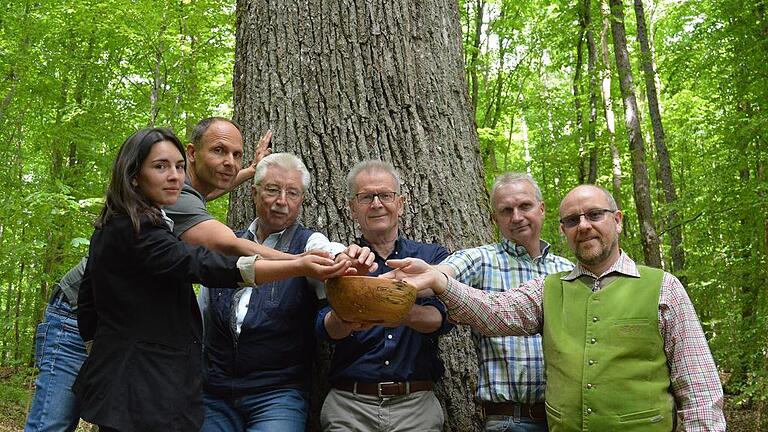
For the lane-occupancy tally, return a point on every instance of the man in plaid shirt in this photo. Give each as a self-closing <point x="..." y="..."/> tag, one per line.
<point x="511" y="373"/>
<point x="624" y="347"/>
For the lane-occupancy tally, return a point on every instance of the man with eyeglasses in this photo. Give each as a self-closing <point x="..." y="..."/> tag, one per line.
<point x="511" y="369"/>
<point x="382" y="376"/>
<point x="258" y="341"/>
<point x="624" y="347"/>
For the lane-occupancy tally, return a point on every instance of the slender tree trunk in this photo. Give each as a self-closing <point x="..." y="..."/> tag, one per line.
<point x="339" y="82"/>
<point x="576" y="88"/>
<point x="640" y="178"/>
<point x="157" y="83"/>
<point x="659" y="140"/>
<point x="610" y="117"/>
<point x="17" y="313"/>
<point x="592" y="71"/>
<point x="475" y="54"/>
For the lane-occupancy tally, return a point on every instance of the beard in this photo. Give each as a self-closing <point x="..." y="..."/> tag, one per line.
<point x="594" y="256"/>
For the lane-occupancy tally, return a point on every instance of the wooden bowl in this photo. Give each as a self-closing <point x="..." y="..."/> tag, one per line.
<point x="366" y="299"/>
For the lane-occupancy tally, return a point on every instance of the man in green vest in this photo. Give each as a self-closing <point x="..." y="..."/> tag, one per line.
<point x="623" y="347"/>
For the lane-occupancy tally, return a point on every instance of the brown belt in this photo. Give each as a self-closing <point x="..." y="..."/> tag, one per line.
<point x="533" y="411"/>
<point x="385" y="389"/>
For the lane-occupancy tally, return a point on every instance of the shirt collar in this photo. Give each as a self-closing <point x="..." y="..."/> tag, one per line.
<point x="168" y="221"/>
<point x="271" y="239"/>
<point x="520" y="251"/>
<point x="624" y="265"/>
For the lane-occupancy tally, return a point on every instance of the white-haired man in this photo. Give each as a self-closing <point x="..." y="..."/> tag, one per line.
<point x="259" y="340"/>
<point x="382" y="377"/>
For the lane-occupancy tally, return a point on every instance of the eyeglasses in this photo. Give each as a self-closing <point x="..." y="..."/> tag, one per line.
<point x="367" y="198"/>
<point x="274" y="192"/>
<point x="594" y="215"/>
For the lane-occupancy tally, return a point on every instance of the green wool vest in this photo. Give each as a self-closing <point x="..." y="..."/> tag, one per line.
<point x="605" y="364"/>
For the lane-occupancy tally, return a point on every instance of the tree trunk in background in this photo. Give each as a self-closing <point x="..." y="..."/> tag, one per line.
<point x="475" y="54"/>
<point x="339" y="82"/>
<point x="659" y="140"/>
<point x="592" y="71"/>
<point x="640" y="179"/>
<point x="610" y="117"/>
<point x="576" y="88"/>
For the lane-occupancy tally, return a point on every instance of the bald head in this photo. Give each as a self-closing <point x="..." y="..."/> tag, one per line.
<point x="592" y="224"/>
<point x="589" y="192"/>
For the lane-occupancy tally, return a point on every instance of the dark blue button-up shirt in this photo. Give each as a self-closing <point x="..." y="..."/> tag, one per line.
<point x="383" y="354"/>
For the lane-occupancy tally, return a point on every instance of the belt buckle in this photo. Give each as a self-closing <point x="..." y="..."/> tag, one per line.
<point x="378" y="388"/>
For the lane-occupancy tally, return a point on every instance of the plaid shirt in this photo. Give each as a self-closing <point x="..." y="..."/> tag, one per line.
<point x="695" y="384"/>
<point x="511" y="368"/>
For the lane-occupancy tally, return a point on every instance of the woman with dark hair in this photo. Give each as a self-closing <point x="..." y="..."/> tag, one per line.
<point x="137" y="310"/>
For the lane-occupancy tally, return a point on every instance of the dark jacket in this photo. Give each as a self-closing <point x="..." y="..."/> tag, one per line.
<point x="137" y="305"/>
<point x="276" y="341"/>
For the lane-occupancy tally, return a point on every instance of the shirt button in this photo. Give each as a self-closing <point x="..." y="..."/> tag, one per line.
<point x="589" y="386"/>
<point x="589" y="410"/>
<point x="594" y="319"/>
<point x="389" y="336"/>
<point x="591" y="362"/>
<point x="593" y="341"/>
<point x="386" y="362"/>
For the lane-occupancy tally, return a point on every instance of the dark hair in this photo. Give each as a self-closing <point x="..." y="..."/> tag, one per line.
<point x="196" y="137"/>
<point x="122" y="196"/>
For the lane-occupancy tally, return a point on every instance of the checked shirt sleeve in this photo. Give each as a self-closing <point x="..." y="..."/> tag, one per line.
<point x="517" y="312"/>
<point x="695" y="382"/>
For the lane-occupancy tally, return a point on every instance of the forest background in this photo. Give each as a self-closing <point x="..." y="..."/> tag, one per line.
<point x="77" y="77"/>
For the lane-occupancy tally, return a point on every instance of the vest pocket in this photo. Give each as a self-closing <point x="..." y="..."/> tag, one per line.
<point x="648" y="416"/>
<point x="553" y="418"/>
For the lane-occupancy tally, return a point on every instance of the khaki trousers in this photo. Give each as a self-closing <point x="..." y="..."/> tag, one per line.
<point x="346" y="411"/>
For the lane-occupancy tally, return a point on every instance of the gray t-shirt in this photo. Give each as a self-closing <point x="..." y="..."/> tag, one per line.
<point x="70" y="283"/>
<point x="188" y="211"/>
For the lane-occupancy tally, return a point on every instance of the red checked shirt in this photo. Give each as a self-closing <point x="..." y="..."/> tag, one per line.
<point x="695" y="383"/>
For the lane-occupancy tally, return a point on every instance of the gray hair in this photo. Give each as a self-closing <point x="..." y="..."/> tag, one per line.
<point x="286" y="161"/>
<point x="511" y="178"/>
<point x="372" y="165"/>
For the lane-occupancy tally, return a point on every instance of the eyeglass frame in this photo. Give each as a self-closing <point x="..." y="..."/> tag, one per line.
<point x="576" y="218"/>
<point x="376" y="195"/>
<point x="273" y="191"/>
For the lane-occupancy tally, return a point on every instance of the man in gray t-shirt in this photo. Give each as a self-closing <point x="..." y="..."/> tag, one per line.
<point x="214" y="158"/>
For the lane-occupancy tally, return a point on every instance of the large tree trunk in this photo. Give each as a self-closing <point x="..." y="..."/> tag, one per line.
<point x="640" y="179"/>
<point x="662" y="155"/>
<point x="339" y="82"/>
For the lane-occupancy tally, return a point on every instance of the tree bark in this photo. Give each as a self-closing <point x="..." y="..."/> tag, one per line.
<point x="592" y="71"/>
<point x="659" y="140"/>
<point x="339" y="82"/>
<point x="610" y="117"/>
<point x="576" y="89"/>
<point x="640" y="178"/>
<point x="475" y="54"/>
